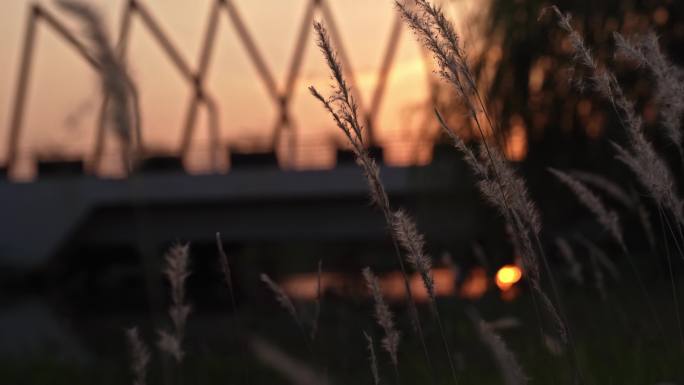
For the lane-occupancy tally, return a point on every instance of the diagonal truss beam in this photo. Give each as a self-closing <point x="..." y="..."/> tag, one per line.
<point x="36" y="14"/>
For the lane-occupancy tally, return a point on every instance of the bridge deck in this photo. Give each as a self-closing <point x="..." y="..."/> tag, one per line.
<point x="247" y="204"/>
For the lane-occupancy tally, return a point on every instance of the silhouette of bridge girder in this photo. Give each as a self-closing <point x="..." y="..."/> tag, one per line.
<point x="195" y="78"/>
<point x="53" y="215"/>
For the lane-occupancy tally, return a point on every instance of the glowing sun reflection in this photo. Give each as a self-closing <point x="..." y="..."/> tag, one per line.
<point x="507" y="276"/>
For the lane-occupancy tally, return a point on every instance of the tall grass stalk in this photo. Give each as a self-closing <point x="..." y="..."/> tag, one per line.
<point x="496" y="180"/>
<point x="629" y="200"/>
<point x="286" y="303"/>
<point x="644" y="50"/>
<point x="511" y="371"/>
<point x="607" y="218"/>
<point x="227" y="275"/>
<point x="343" y="109"/>
<point x="372" y="359"/>
<point x="384" y="318"/>
<point x="228" y="279"/>
<point x="640" y="156"/>
<point x="413" y="244"/>
<point x="498" y="183"/>
<point x="611" y="223"/>
<point x="601" y="183"/>
<point x="565" y="250"/>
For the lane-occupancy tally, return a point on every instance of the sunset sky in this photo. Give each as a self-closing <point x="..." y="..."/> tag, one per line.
<point x="64" y="94"/>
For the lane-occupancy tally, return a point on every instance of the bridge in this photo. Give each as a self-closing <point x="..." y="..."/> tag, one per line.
<point x="262" y="197"/>
<point x="251" y="204"/>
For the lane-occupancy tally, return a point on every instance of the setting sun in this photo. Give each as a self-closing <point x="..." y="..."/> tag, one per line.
<point x="507" y="276"/>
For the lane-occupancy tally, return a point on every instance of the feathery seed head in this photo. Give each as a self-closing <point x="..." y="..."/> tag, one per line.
<point x="511" y="371"/>
<point x="280" y="296"/>
<point x="383" y="316"/>
<point x="413" y="244"/>
<point x="568" y="255"/>
<point x="171" y="345"/>
<point x="176" y="271"/>
<point x="140" y="356"/>
<point x="607" y="218"/>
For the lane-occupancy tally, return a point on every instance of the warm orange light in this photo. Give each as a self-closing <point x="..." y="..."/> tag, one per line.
<point x="516" y="141"/>
<point x="305" y="286"/>
<point x="475" y="285"/>
<point x="507" y="276"/>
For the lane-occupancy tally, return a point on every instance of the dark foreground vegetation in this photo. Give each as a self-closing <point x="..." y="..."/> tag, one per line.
<point x="599" y="301"/>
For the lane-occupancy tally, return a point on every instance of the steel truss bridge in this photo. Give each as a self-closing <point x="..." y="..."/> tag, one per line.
<point x="259" y="201"/>
<point x="195" y="78"/>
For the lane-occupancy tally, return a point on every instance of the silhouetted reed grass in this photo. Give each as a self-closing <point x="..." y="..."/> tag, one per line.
<point x="497" y="180"/>
<point x="140" y="356"/>
<point x="344" y="112"/>
<point x="640" y="155"/>
<point x="372" y="359"/>
<point x="511" y="371"/>
<point x="384" y="318"/>
<point x="176" y="272"/>
<point x="124" y="110"/>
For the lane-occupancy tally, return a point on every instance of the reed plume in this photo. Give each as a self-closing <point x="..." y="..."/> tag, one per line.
<point x="124" y="111"/>
<point x="652" y="173"/>
<point x="627" y="199"/>
<point x="497" y="181"/>
<point x="283" y="299"/>
<point x="343" y="109"/>
<point x="639" y="156"/>
<point x="566" y="252"/>
<point x="140" y="356"/>
<point x="414" y="246"/>
<point x="384" y="317"/>
<point x="176" y="272"/>
<point x="511" y="371"/>
<point x="413" y="243"/>
<point x="645" y="51"/>
<point x="607" y="218"/>
<point x="610" y="188"/>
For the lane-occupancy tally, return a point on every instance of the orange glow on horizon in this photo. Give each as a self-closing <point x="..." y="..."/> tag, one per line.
<point x="304" y="286"/>
<point x="516" y="142"/>
<point x="507" y="276"/>
<point x="475" y="286"/>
